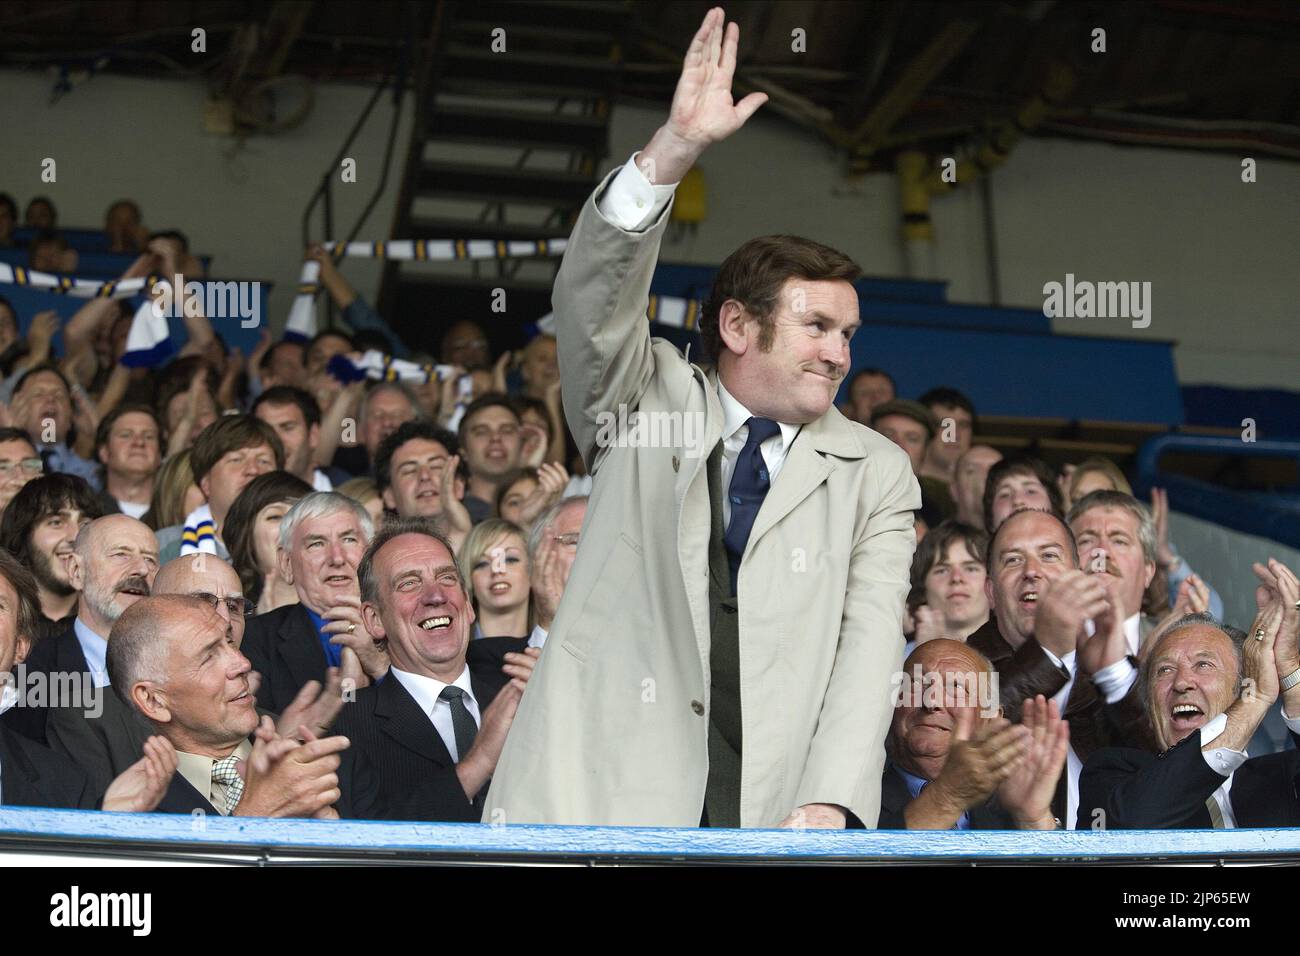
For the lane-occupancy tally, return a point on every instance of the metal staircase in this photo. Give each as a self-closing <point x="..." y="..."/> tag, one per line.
<point x="507" y="145"/>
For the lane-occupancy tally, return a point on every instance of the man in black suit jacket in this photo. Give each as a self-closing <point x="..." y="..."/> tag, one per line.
<point x="1207" y="689"/>
<point x="955" y="762"/>
<point x="433" y="728"/>
<point x="322" y="538"/>
<point x="174" y="658"/>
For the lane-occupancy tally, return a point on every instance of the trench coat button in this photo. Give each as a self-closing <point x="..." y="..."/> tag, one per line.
<point x="698" y="708"/>
<point x="677" y="463"/>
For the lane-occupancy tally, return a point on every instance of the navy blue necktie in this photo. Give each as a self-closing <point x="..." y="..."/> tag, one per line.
<point x="749" y="484"/>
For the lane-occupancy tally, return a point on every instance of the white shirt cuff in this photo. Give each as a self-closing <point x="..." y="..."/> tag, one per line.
<point x="632" y="202"/>
<point x="1115" y="680"/>
<point x="1067" y="661"/>
<point x="1292" y="723"/>
<point x="538" y="637"/>
<point x="1222" y="760"/>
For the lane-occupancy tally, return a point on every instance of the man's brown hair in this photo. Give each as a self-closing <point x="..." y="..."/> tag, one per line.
<point x="28" y="612"/>
<point x="231" y="433"/>
<point x="753" y="276"/>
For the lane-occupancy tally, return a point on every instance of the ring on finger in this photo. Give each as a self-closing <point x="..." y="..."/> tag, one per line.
<point x="1259" y="633"/>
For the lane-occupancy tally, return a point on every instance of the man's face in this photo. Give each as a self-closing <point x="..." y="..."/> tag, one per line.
<point x="324" y="349"/>
<point x="298" y="440"/>
<point x="117" y="568"/>
<point x="947" y="452"/>
<point x="285" y="366"/>
<point x="465" y="345"/>
<point x="323" y="559"/>
<point x="415" y="470"/>
<point x="122" y="221"/>
<point x="207" y="690"/>
<point x="1015" y="492"/>
<point x="923" y="730"/>
<point x="954" y="586"/>
<point x="48" y="257"/>
<point x="565" y="528"/>
<point x="1109" y="545"/>
<point x="866" y="393"/>
<point x="492" y="442"/>
<point x="421" y="608"/>
<point x="8" y="323"/>
<point x="40" y="215"/>
<point x="206" y="414"/>
<point x="231" y="475"/>
<point x="512" y="502"/>
<point x="968" y="488"/>
<point x="13" y="646"/>
<point x="7" y="222"/>
<point x="133" y="446"/>
<point x="1194" y="678"/>
<point x="386" y="411"/>
<point x="207" y="577"/>
<point x="908" y="434"/>
<point x="51" y="547"/>
<point x="1031" y="551"/>
<point x="47" y="401"/>
<point x="19" y="464"/>
<point x="1091" y="481"/>
<point x="541" y="365"/>
<point x="799" y="376"/>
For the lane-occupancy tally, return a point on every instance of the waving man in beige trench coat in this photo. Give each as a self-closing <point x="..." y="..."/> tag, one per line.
<point x="662" y="698"/>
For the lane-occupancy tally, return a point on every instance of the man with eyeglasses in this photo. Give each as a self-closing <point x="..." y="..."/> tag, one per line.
<point x="552" y="546"/>
<point x="208" y="578"/>
<point x="19" y="463"/>
<point x="465" y="344"/>
<point x="490" y="443"/>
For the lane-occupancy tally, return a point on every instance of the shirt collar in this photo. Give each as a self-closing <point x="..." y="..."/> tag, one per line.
<point x="734" y="416"/>
<point x="8" y="694"/>
<point x="426" y="690"/>
<point x="317" y="621"/>
<point x="96" y="650"/>
<point x="1133" y="632"/>
<point x="914" y="783"/>
<point x="197" y="769"/>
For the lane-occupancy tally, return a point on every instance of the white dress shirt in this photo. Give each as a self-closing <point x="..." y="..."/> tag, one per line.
<point x="131" y="508"/>
<point x="425" y="690"/>
<point x="321" y="481"/>
<point x="96" y="650"/>
<point x="1113" y="682"/>
<point x="538" y="637"/>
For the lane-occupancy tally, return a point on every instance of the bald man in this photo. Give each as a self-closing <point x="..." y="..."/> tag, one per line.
<point x="113" y="565"/>
<point x="173" y="660"/>
<point x="954" y="762"/>
<point x="210" y="579"/>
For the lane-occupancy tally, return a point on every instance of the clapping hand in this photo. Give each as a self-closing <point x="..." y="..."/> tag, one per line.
<point x="1279" y="587"/>
<point x="140" y="787"/>
<point x="1027" y="792"/>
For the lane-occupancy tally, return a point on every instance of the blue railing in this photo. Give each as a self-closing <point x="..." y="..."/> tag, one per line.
<point x="1275" y="516"/>
<point x="88" y="832"/>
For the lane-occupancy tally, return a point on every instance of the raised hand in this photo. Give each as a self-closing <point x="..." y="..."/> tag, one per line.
<point x="1279" y="587"/>
<point x="929" y="624"/>
<point x="520" y="665"/>
<point x="979" y="759"/>
<point x="703" y="111"/>
<point x="1107" y="645"/>
<point x="314" y="708"/>
<point x="140" y="787"/>
<point x="552" y="479"/>
<point x="285" y="778"/>
<point x="1028" y="791"/>
<point x="1160" y="517"/>
<point x="1068" y="601"/>
<point x="343" y="621"/>
<point x="547" y="581"/>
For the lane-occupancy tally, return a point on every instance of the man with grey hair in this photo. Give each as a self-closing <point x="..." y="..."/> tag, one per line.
<point x="434" y="728"/>
<point x="384" y="409"/>
<point x="552" y="546"/>
<point x="1206" y="691"/>
<point x="322" y="539"/>
<point x="174" y="660"/>
<point x="113" y="565"/>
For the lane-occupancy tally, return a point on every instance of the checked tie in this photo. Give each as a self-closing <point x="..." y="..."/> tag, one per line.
<point x="226" y="771"/>
<point x="462" y="721"/>
<point x="749" y="484"/>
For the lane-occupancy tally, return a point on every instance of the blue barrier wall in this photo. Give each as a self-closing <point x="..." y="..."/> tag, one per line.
<point x="644" y="842"/>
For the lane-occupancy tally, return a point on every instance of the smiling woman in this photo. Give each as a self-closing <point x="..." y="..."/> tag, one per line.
<point x="494" y="560"/>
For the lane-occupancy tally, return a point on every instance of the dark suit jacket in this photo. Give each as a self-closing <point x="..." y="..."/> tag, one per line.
<point x="35" y="776"/>
<point x="104" y="745"/>
<point x="357" y="785"/>
<point x="283" y="646"/>
<point x="894" y="798"/>
<point x="57" y="652"/>
<point x="1137" y="789"/>
<point x="417" y="777"/>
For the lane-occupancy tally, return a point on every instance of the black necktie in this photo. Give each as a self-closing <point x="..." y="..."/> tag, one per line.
<point x="47" y="455"/>
<point x="749" y="484"/>
<point x="462" y="721"/>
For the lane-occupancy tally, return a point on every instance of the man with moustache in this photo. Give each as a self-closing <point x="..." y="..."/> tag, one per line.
<point x="955" y="763"/>
<point x="1060" y="634"/>
<point x="434" y="728"/>
<point x="113" y="565"/>
<point x="1117" y="538"/>
<point x="174" y="661"/>
<point x="1207" y="689"/>
<point x="699" y="562"/>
